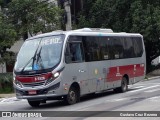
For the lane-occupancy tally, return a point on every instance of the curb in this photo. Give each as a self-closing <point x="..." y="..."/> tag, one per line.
<point x="151" y="78"/>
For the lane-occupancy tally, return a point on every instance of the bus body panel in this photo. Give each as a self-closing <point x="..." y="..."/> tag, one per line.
<point x="76" y="73"/>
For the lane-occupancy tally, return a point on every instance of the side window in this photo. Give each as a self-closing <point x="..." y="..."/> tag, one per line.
<point x="128" y="48"/>
<point x="138" y="47"/>
<point x="74" y="51"/>
<point x="104" y="43"/>
<point x="92" y="51"/>
<point x="118" y="47"/>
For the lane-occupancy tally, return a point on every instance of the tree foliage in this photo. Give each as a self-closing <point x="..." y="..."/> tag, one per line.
<point x="8" y="36"/>
<point x="34" y="16"/>
<point x="20" y="17"/>
<point x="135" y="16"/>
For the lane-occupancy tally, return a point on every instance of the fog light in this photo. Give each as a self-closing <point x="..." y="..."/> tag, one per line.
<point x="17" y="83"/>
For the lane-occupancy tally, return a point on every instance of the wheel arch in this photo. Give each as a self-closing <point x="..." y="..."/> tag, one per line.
<point x="127" y="77"/>
<point x="77" y="86"/>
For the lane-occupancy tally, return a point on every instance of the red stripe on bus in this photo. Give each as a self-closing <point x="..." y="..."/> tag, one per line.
<point x="117" y="72"/>
<point x="29" y="79"/>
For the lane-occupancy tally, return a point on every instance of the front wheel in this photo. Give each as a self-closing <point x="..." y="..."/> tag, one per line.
<point x="34" y="103"/>
<point x="72" y="96"/>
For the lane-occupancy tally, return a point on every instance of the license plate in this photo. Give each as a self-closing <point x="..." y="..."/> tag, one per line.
<point x="32" y="92"/>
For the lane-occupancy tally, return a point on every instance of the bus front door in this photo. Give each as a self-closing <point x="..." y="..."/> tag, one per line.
<point x="76" y="68"/>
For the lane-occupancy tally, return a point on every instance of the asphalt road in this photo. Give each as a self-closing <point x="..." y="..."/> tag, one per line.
<point x="142" y="96"/>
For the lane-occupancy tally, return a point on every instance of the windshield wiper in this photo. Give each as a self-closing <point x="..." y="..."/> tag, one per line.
<point x="39" y="57"/>
<point x="39" y="54"/>
<point x="34" y="58"/>
<point x="26" y="64"/>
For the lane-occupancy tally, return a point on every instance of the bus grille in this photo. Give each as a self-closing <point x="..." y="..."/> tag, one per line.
<point x="42" y="83"/>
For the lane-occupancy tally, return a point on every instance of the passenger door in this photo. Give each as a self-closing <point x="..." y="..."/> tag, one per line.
<point x="76" y="68"/>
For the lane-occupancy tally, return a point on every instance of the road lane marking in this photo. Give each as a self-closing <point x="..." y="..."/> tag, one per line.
<point x="137" y="87"/>
<point x="154" y="99"/>
<point x="116" y="100"/>
<point x="143" y="89"/>
<point x="146" y="84"/>
<point x="10" y="100"/>
<point x="153" y="90"/>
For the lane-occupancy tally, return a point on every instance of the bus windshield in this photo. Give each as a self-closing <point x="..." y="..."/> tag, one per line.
<point x="39" y="53"/>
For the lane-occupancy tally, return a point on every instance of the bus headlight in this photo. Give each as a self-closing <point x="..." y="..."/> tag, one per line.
<point x="54" y="76"/>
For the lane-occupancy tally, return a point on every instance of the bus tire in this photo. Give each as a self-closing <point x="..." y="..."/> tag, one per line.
<point x="72" y="97"/>
<point x="34" y="103"/>
<point x="124" y="86"/>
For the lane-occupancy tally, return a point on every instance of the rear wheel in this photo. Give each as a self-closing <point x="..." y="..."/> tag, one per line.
<point x="124" y="86"/>
<point x="73" y="96"/>
<point x="34" y="103"/>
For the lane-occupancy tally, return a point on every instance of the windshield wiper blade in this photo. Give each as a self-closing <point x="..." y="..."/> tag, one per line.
<point x="34" y="58"/>
<point x="39" y="54"/>
<point x="39" y="57"/>
<point x="26" y="64"/>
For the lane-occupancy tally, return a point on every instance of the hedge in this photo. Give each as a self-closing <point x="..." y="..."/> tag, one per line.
<point x="6" y="83"/>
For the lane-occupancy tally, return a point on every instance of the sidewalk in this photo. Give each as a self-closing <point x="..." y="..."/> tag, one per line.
<point x="153" y="77"/>
<point x="7" y="95"/>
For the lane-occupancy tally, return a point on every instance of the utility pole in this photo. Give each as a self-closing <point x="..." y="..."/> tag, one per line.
<point x="67" y="4"/>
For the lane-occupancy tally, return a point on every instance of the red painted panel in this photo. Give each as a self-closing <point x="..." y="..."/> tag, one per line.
<point x="117" y="72"/>
<point x="139" y="70"/>
<point x="30" y="79"/>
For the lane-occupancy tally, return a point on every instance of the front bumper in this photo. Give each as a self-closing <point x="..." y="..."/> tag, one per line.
<point x="41" y="97"/>
<point x="52" y="92"/>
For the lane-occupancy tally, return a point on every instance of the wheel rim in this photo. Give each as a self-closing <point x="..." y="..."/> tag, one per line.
<point x="124" y="85"/>
<point x="72" y="96"/>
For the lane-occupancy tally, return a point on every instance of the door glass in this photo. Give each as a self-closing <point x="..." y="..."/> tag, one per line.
<point x="74" y="51"/>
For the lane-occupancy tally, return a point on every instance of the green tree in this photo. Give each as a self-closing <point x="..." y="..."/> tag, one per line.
<point x="7" y="37"/>
<point x="33" y="16"/>
<point x="136" y="16"/>
<point x="146" y="20"/>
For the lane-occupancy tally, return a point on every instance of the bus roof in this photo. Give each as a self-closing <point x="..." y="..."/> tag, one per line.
<point x="88" y="32"/>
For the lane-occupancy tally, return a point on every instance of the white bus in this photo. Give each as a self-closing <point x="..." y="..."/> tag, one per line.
<point x="69" y="64"/>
